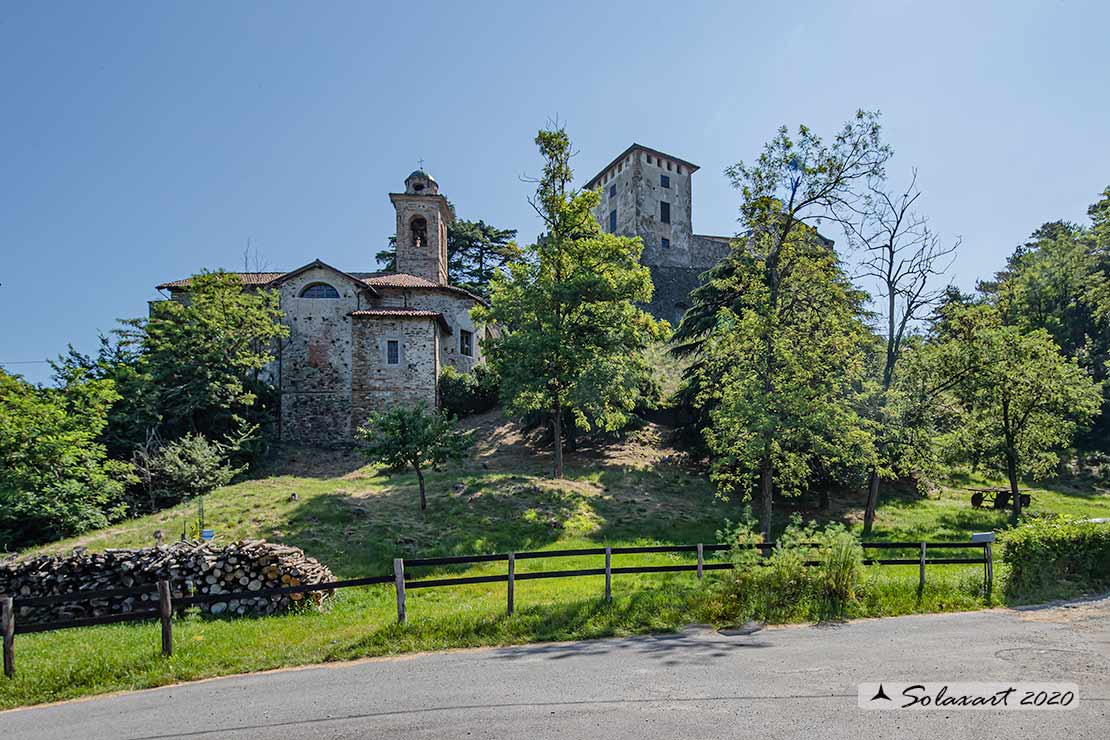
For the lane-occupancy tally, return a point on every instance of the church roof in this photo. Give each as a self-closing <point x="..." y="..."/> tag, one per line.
<point x="372" y="279"/>
<point x="389" y="312"/>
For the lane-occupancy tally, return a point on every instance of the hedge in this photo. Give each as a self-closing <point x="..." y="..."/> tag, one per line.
<point x="1057" y="554"/>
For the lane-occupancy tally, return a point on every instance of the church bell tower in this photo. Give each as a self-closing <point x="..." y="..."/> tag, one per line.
<point x="422" y="218"/>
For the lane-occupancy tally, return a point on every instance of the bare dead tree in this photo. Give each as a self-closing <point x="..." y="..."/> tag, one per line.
<point x="253" y="258"/>
<point x="903" y="256"/>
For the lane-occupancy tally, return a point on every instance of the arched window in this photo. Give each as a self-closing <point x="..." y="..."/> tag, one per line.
<point x="319" y="290"/>
<point x="419" y="228"/>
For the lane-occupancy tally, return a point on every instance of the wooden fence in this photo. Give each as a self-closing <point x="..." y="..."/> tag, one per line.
<point x="403" y="582"/>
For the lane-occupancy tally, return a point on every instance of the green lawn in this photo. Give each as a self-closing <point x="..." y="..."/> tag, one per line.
<point x="356" y="520"/>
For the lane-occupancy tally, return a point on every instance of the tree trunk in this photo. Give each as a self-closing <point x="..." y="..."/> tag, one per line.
<point x="557" y="433"/>
<point x="767" y="489"/>
<point x="872" y="500"/>
<point x="420" y="478"/>
<point x="1011" y="471"/>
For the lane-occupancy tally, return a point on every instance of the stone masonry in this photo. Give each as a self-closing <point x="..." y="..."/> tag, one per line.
<point x="369" y="341"/>
<point x="647" y="193"/>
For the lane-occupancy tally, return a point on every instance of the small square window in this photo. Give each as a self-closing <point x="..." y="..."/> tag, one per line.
<point x="612" y="191"/>
<point x="649" y="159"/>
<point x="613" y="221"/>
<point x="466" y="343"/>
<point x="665" y="181"/>
<point x="665" y="243"/>
<point x="664" y="212"/>
<point x="393" y="352"/>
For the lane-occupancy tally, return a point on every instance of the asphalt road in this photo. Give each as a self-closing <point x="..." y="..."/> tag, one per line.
<point x="774" y="683"/>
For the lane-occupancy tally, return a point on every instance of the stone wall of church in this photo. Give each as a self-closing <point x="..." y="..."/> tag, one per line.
<point x="379" y="386"/>
<point x="456" y="311"/>
<point x="316" y="361"/>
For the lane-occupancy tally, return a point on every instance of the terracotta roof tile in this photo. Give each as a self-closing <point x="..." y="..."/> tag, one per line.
<point x="248" y="278"/>
<point x="373" y="279"/>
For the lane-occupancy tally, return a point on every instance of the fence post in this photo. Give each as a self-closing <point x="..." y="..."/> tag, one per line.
<point x="512" y="576"/>
<point x="165" y="606"/>
<point x="701" y="560"/>
<point x="7" y="624"/>
<point x="399" y="579"/>
<point x="921" y="575"/>
<point x="608" y="574"/>
<point x="988" y="555"/>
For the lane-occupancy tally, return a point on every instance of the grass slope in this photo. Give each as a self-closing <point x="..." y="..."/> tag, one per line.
<point x="356" y="520"/>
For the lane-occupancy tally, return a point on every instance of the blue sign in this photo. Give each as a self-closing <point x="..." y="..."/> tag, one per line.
<point x="207" y="534"/>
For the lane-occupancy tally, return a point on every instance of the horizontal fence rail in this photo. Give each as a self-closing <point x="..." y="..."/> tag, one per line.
<point x="163" y="604"/>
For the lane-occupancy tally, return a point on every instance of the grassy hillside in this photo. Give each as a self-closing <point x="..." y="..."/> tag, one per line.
<point x="356" y="519"/>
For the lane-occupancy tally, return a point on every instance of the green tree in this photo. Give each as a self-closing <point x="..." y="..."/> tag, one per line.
<point x="205" y="356"/>
<point x="780" y="377"/>
<point x="134" y="417"/>
<point x="412" y="437"/>
<point x="55" y="476"/>
<point x="475" y="250"/>
<point x="574" y="337"/>
<point x="1022" y="403"/>
<point x="763" y="300"/>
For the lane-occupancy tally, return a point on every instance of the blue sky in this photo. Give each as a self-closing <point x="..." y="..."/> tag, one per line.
<point x="140" y="142"/>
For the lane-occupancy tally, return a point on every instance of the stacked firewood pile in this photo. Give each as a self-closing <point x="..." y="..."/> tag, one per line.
<point x="192" y="568"/>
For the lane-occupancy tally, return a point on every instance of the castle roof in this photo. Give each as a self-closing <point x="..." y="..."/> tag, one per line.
<point x="639" y="147"/>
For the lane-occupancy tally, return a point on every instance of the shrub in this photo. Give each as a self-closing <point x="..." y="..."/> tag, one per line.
<point x="184" y="468"/>
<point x="463" y="394"/>
<point x="1050" y="556"/>
<point x="783" y="587"/>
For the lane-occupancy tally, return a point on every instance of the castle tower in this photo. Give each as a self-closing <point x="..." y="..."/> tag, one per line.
<point x="422" y="218"/>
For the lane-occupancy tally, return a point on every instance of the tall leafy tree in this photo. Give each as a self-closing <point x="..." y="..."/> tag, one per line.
<point x="475" y="250"/>
<point x="55" y="475"/>
<point x="574" y="335"/>
<point x="206" y="356"/>
<point x="797" y="181"/>
<point x="780" y="376"/>
<point x="1022" y="403"/>
<point x="1057" y="281"/>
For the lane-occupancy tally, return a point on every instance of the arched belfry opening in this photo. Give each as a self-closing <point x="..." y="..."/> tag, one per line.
<point x="418" y="230"/>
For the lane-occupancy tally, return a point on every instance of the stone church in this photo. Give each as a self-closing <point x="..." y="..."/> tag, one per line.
<point x="647" y="193"/>
<point x="361" y="342"/>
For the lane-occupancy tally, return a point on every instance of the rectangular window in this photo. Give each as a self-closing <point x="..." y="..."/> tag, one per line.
<point x="664" y="212"/>
<point x="612" y="190"/>
<point x="466" y="343"/>
<point x="665" y="181"/>
<point x="393" y="352"/>
<point x="613" y="221"/>
<point x="665" y="242"/>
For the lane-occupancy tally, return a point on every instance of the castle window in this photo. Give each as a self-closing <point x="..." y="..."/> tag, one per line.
<point x="664" y="212"/>
<point x="612" y="190"/>
<point x="393" y="352"/>
<point x="665" y="181"/>
<point x="668" y="166"/>
<point x="466" y="343"/>
<point x="679" y="169"/>
<point x="649" y="159"/>
<point x="613" y="221"/>
<point x="419" y="228"/>
<point x="319" y="290"/>
<point x="665" y="243"/>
